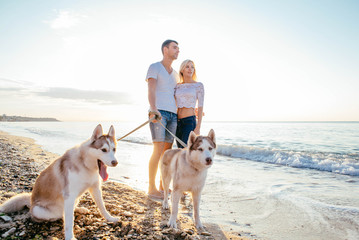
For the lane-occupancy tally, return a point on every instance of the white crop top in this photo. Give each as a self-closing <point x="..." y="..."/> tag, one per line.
<point x="187" y="94"/>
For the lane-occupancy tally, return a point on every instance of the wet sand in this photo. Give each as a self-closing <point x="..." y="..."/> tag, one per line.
<point x="21" y="160"/>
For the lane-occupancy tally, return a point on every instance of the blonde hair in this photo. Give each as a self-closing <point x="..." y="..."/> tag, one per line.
<point x="183" y="65"/>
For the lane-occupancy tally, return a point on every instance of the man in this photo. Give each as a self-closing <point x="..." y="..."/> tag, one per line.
<point x="162" y="80"/>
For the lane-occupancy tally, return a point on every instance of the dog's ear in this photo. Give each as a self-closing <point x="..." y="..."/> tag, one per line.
<point x="212" y="135"/>
<point x="191" y="138"/>
<point x="111" y="132"/>
<point x="97" y="132"/>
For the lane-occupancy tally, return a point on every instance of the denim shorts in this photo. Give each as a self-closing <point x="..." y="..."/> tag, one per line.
<point x="159" y="133"/>
<point x="184" y="128"/>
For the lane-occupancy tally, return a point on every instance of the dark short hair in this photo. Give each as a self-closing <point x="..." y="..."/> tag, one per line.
<point x="166" y="43"/>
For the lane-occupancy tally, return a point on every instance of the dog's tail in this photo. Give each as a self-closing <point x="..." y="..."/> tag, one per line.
<point x="16" y="203"/>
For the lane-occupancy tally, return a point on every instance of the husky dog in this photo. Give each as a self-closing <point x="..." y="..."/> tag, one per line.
<point x="188" y="169"/>
<point x="58" y="188"/>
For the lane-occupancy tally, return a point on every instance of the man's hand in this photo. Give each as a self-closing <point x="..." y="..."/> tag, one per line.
<point x="155" y="113"/>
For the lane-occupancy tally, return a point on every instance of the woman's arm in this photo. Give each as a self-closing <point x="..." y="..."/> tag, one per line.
<point x="200" y="98"/>
<point x="197" y="130"/>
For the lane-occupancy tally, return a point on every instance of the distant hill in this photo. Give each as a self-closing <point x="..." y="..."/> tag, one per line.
<point x="5" y="118"/>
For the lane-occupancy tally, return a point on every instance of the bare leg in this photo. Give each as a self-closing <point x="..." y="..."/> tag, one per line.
<point x="167" y="146"/>
<point x="158" y="149"/>
<point x="153" y="166"/>
<point x="166" y="177"/>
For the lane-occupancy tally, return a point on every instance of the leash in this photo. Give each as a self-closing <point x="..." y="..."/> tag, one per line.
<point x="158" y="118"/>
<point x="134" y="130"/>
<point x="179" y="140"/>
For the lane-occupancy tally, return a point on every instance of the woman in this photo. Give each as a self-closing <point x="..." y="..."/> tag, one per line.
<point x="187" y="93"/>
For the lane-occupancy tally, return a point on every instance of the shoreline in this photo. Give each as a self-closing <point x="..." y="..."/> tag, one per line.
<point x="21" y="160"/>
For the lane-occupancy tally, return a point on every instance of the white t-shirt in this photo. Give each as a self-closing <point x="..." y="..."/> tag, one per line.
<point x="165" y="86"/>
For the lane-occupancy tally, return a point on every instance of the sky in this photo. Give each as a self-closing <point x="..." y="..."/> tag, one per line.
<point x="259" y="60"/>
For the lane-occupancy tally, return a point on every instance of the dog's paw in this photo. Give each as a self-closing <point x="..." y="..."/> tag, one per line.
<point x="70" y="238"/>
<point x="165" y="205"/>
<point x="200" y="227"/>
<point x="172" y="223"/>
<point x="113" y="219"/>
<point x="82" y="210"/>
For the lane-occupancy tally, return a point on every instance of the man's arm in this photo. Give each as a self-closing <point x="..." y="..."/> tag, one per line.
<point x="152" y="83"/>
<point x="152" y="93"/>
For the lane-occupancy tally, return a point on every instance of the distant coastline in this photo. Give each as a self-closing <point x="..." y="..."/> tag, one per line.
<point x="5" y="118"/>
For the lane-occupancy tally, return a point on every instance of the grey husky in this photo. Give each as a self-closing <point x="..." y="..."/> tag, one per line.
<point x="58" y="188"/>
<point x="188" y="169"/>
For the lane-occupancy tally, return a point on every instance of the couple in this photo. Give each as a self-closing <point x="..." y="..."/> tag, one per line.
<point x="172" y="97"/>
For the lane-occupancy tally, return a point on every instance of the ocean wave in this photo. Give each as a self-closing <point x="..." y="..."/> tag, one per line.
<point x="347" y="164"/>
<point x="47" y="133"/>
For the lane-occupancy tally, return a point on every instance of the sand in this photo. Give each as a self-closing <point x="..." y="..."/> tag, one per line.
<point x="21" y="161"/>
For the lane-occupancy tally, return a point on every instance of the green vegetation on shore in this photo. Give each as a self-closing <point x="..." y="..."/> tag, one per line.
<point x="5" y="118"/>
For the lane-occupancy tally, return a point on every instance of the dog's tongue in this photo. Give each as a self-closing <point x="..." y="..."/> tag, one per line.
<point x="103" y="171"/>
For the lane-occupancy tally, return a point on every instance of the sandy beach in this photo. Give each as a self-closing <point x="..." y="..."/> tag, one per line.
<point x="21" y="160"/>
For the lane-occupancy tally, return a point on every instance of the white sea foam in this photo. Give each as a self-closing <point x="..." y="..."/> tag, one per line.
<point x="330" y="162"/>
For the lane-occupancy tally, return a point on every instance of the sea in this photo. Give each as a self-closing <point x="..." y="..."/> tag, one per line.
<point x="270" y="180"/>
